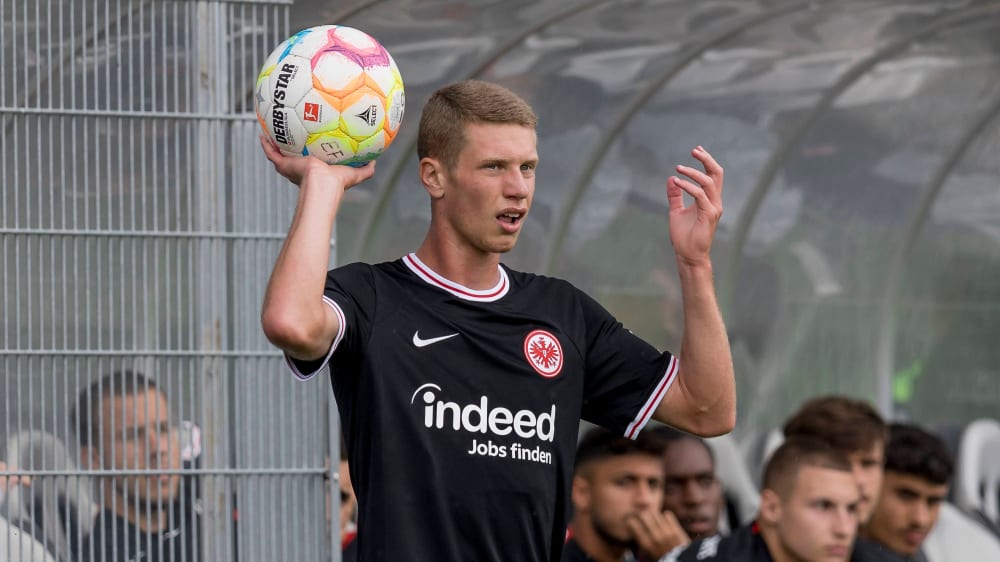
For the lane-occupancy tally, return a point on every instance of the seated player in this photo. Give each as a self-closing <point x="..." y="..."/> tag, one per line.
<point x="918" y="470"/>
<point x="617" y="492"/>
<point x="808" y="511"/>
<point x="691" y="489"/>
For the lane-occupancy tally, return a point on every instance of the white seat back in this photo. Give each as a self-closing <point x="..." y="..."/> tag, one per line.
<point x="957" y="538"/>
<point x="977" y="477"/>
<point x="732" y="470"/>
<point x="42" y="502"/>
<point x="20" y="547"/>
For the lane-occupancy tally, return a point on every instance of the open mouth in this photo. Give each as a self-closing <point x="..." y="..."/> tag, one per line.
<point x="510" y="218"/>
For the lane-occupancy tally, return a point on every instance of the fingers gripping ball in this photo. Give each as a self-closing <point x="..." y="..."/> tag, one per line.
<point x="333" y="92"/>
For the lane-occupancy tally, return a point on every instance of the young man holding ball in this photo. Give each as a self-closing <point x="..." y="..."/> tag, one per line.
<point x="460" y="381"/>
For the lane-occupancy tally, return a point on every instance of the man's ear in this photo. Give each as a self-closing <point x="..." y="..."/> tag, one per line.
<point x="432" y="175"/>
<point x="581" y="493"/>
<point x="770" y="507"/>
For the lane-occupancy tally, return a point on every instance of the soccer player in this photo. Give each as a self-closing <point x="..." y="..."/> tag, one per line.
<point x="918" y="470"/>
<point x="691" y="489"/>
<point x="856" y="429"/>
<point x="125" y="424"/>
<point x="808" y="511"/>
<point x="617" y="494"/>
<point x="460" y="381"/>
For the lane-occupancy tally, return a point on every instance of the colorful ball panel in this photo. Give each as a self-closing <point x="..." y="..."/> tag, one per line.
<point x="330" y="91"/>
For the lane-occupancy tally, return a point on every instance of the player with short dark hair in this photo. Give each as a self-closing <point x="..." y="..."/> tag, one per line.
<point x="617" y="494"/>
<point x="808" y="511"/>
<point x="918" y="471"/>
<point x="461" y="382"/>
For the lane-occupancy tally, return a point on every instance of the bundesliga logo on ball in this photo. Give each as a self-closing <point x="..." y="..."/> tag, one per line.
<point x="333" y="92"/>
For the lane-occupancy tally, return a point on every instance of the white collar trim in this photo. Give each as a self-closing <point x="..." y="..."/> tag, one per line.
<point x="421" y="270"/>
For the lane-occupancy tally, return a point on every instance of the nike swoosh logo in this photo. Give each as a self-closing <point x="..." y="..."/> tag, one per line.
<point x="419" y="342"/>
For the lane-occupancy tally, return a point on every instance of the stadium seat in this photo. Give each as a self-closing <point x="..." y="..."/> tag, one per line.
<point x="956" y="537"/>
<point x="977" y="478"/>
<point x="60" y="506"/>
<point x="758" y="449"/>
<point x="737" y="484"/>
<point x="20" y="545"/>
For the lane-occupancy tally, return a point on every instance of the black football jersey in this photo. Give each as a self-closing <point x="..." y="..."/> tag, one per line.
<point x="745" y="544"/>
<point x="460" y="408"/>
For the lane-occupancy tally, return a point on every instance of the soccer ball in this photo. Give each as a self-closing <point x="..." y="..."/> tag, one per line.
<point x="330" y="91"/>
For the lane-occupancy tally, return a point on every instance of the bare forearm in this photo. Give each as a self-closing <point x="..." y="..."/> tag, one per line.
<point x="293" y="316"/>
<point x="706" y="384"/>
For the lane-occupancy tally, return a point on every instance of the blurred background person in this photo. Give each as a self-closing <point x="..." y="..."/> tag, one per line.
<point x="918" y="471"/>
<point x="852" y="427"/>
<point x="691" y="489"/>
<point x="617" y="495"/>
<point x="125" y="424"/>
<point x="348" y="510"/>
<point x="856" y="429"/>
<point x="808" y="511"/>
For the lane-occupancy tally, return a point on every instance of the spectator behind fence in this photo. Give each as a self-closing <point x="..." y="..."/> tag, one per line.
<point x="691" y="489"/>
<point x="461" y="382"/>
<point x="808" y="511"/>
<point x="918" y="471"/>
<point x="125" y="424"/>
<point x="617" y="495"/>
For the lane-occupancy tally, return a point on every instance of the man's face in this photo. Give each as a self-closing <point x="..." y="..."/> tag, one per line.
<point x="818" y="520"/>
<point x="868" y="468"/>
<point x="489" y="190"/>
<point x="137" y="434"/>
<point x="906" y="511"/>
<point x="690" y="488"/>
<point x="618" y="489"/>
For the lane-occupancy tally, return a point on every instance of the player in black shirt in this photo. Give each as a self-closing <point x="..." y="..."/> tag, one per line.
<point x="808" y="511"/>
<point x="461" y="382"/>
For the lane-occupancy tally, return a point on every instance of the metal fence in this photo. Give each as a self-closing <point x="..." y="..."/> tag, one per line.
<point x="138" y="225"/>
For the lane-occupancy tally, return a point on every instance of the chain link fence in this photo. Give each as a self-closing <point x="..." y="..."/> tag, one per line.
<point x="138" y="225"/>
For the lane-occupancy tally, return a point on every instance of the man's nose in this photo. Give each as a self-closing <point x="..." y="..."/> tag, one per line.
<point x="516" y="185"/>
<point x="845" y="522"/>
<point x="922" y="515"/>
<point x="693" y="492"/>
<point x="158" y="441"/>
<point x="645" y="496"/>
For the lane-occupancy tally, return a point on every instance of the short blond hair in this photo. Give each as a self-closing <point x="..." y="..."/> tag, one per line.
<point x="441" y="133"/>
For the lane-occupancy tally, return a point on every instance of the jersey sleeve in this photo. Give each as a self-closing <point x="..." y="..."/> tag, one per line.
<point x="625" y="376"/>
<point x="350" y="293"/>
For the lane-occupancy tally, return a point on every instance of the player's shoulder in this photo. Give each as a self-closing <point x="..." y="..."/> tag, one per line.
<point x="363" y="270"/>
<point x="869" y="551"/>
<point x="537" y="281"/>
<point x="702" y="549"/>
<point x="744" y="545"/>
